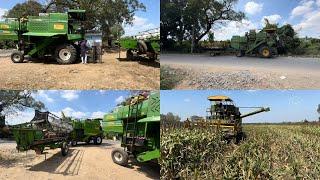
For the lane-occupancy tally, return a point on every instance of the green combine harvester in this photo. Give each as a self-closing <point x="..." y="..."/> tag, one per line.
<point x="86" y="131"/>
<point x="146" y="44"/>
<point x="138" y="124"/>
<point x="49" y="34"/>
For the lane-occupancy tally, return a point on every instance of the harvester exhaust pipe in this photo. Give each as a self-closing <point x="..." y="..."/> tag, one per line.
<point x="255" y="112"/>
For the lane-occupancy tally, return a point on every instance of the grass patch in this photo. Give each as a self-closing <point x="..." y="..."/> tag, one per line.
<point x="170" y="77"/>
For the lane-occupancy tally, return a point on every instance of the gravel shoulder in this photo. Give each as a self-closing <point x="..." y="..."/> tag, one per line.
<point x="113" y="73"/>
<point x="200" y="72"/>
<point x="83" y="162"/>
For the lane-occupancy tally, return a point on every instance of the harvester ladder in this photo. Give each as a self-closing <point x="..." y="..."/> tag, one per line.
<point x="134" y="108"/>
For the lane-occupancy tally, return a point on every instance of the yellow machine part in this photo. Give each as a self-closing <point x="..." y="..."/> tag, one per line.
<point x="219" y="98"/>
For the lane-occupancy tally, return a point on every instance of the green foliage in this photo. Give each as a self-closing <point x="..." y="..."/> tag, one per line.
<point x="269" y="152"/>
<point x="28" y="8"/>
<point x="189" y="19"/>
<point x="13" y="101"/>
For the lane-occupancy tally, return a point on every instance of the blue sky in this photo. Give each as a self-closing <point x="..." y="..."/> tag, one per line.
<point x="143" y="20"/>
<point x="304" y="15"/>
<point x="79" y="104"/>
<point x="285" y="106"/>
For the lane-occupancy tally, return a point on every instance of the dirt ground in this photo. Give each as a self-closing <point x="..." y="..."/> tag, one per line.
<point x="83" y="162"/>
<point x="113" y="73"/>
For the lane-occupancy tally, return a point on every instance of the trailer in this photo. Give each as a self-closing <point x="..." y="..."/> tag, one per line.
<point x="45" y="130"/>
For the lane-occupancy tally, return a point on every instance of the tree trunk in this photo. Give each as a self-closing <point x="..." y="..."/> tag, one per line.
<point x="196" y="41"/>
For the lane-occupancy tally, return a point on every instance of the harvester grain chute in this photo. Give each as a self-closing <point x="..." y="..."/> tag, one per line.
<point x="44" y="130"/>
<point x="226" y="117"/>
<point x="54" y="35"/>
<point x="138" y="124"/>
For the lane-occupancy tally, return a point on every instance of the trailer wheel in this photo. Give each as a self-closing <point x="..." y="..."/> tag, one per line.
<point x="240" y="53"/>
<point x="98" y="140"/>
<point x="66" y="54"/>
<point x="17" y="57"/>
<point x="74" y="143"/>
<point x="120" y="157"/>
<point x="265" y="52"/>
<point x="129" y="54"/>
<point x="64" y="149"/>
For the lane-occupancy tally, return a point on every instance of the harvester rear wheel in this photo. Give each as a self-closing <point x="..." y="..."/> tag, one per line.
<point x="17" y="57"/>
<point x="64" y="149"/>
<point x="66" y="54"/>
<point x="120" y="157"/>
<point x="98" y="140"/>
<point x="265" y="52"/>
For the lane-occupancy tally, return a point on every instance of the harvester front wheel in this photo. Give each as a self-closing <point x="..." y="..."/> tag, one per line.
<point x="98" y="140"/>
<point x="120" y="157"/>
<point x="66" y="54"/>
<point x="64" y="149"/>
<point x="17" y="57"/>
<point x="265" y="52"/>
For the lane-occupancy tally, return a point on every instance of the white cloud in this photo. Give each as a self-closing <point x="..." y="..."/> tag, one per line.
<point x="98" y="114"/>
<point x="20" y="117"/>
<point x="318" y="3"/>
<point x="310" y="26"/>
<point x="273" y="19"/>
<point x="45" y="96"/>
<point x="253" y="7"/>
<point x="2" y="12"/>
<point x="120" y="99"/>
<point x="68" y="111"/>
<point x="233" y="28"/>
<point x="139" y="24"/>
<point x="304" y="8"/>
<point x="70" y="95"/>
<point x="103" y="92"/>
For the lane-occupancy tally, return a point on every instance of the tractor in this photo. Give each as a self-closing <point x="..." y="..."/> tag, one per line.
<point x="140" y="130"/>
<point x="54" y="35"/>
<point x="147" y="44"/>
<point x="86" y="131"/>
<point x="224" y="115"/>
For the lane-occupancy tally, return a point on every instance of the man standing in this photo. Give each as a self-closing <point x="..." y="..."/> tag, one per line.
<point x="84" y="49"/>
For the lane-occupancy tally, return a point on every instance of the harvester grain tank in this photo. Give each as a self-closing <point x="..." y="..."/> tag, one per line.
<point x="45" y="130"/>
<point x="86" y="131"/>
<point x="49" y="34"/>
<point x="224" y="115"/>
<point x="140" y="129"/>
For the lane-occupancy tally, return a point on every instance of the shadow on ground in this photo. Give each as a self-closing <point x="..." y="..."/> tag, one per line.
<point x="57" y="164"/>
<point x="150" y="169"/>
<point x="143" y="61"/>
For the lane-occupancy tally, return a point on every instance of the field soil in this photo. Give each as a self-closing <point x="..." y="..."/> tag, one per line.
<point x="229" y="72"/>
<point x="83" y="162"/>
<point x="113" y="73"/>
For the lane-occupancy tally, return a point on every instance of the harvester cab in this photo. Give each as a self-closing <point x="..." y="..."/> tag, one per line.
<point x="225" y="116"/>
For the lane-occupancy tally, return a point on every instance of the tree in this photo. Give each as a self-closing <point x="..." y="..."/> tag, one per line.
<point x="192" y="20"/>
<point x="102" y="14"/>
<point x="28" y="8"/>
<point x="13" y="101"/>
<point x="318" y="110"/>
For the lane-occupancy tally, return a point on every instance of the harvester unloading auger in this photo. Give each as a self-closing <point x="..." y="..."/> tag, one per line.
<point x="225" y="116"/>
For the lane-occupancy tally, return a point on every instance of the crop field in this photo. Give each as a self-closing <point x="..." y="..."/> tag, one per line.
<point x="268" y="152"/>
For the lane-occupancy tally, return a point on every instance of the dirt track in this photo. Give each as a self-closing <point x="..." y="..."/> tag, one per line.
<point x="229" y="72"/>
<point x="113" y="73"/>
<point x="84" y="162"/>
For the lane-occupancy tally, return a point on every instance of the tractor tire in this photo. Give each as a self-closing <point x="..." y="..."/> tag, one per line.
<point x="240" y="54"/>
<point x="66" y="54"/>
<point x="120" y="157"/>
<point x="265" y="52"/>
<point x="74" y="143"/>
<point x="98" y="140"/>
<point x="64" y="149"/>
<point x="129" y="55"/>
<point x="142" y="46"/>
<point x="17" y="57"/>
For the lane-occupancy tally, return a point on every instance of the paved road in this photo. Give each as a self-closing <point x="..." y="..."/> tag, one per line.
<point x="278" y="63"/>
